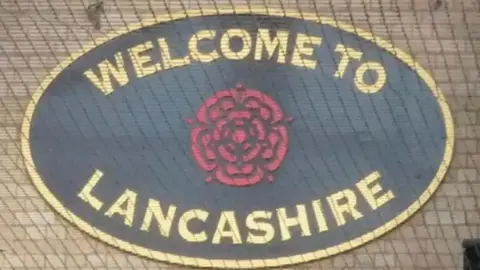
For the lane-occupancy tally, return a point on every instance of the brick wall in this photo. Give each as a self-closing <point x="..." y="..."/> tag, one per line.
<point x="36" y="34"/>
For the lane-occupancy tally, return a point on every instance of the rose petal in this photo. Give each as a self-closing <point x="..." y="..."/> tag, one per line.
<point x="279" y="141"/>
<point x="203" y="114"/>
<point x="273" y="138"/>
<point x="214" y="113"/>
<point x="241" y="114"/>
<point x="253" y="178"/>
<point x="246" y="168"/>
<point x="210" y="154"/>
<point x="267" y="153"/>
<point x="226" y="154"/>
<point x="252" y="153"/>
<point x="218" y="128"/>
<point x="265" y="113"/>
<point x="260" y="129"/>
<point x="206" y="139"/>
<point x="206" y="163"/>
<point x="268" y="102"/>
<point x="232" y="169"/>
<point x="252" y="104"/>
<point x="227" y="104"/>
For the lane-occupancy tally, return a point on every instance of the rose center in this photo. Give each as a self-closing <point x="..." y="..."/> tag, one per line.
<point x="239" y="138"/>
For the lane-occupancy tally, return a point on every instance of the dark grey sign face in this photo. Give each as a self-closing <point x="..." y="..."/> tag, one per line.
<point x="238" y="141"/>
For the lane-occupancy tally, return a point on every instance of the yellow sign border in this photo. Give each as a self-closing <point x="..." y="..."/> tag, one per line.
<point x="244" y="263"/>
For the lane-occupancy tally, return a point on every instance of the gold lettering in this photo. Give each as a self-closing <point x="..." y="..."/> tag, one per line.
<point x="154" y="210"/>
<point x="141" y="62"/>
<point x="339" y="209"/>
<point x="264" y="40"/>
<point x="129" y="198"/>
<point x="370" y="193"/>
<point x="319" y="216"/>
<point x="347" y="54"/>
<point x="253" y="224"/>
<point x="227" y="218"/>
<point x="377" y="85"/>
<point x="167" y="60"/>
<point x="86" y="192"/>
<point x="107" y="69"/>
<point x="193" y="46"/>
<point x="287" y="222"/>
<point x="183" y="230"/>
<point x="300" y="51"/>
<point x="246" y="44"/>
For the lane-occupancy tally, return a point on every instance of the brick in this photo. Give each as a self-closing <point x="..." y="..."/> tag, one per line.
<point x="444" y="217"/>
<point x="364" y="260"/>
<point x="55" y="232"/>
<point x="75" y="261"/>
<point x="384" y="260"/>
<point x="427" y="245"/>
<point x="473" y="103"/>
<point x="373" y="247"/>
<point x="455" y="189"/>
<point x="56" y="261"/>
<point x="443" y="75"/>
<point x="473" y="217"/>
<point x="96" y="260"/>
<point x="473" y="161"/>
<point x="466" y="146"/>
<point x="439" y="203"/>
<point x="467" y="175"/>
<point x="468" y="132"/>
<point x="136" y="261"/>
<point x="116" y="261"/>
<point x="36" y="232"/>
<point x="466" y="231"/>
<point x="432" y="260"/>
<point x="11" y="204"/>
<point x="459" y="161"/>
<point x="8" y="133"/>
<point x="440" y="246"/>
<point x="37" y="218"/>
<point x="466" y="203"/>
<point x="34" y="261"/>
<point x="85" y="246"/>
<point x="8" y="218"/>
<point x="450" y="60"/>
<point x="11" y="177"/>
<point x="40" y="31"/>
<point x="12" y="118"/>
<point x="11" y="162"/>
<point x="465" y="118"/>
<point x="401" y="246"/>
<point x="460" y="103"/>
<point x="447" y="261"/>
<point x="419" y="260"/>
<point x="15" y="261"/>
<point x="14" y="102"/>
<point x="30" y="246"/>
<point x="26" y="190"/>
<point x="33" y="204"/>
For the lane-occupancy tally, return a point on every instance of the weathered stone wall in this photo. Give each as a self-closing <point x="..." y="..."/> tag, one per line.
<point x="36" y="34"/>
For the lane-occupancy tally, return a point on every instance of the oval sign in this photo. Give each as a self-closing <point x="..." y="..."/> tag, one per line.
<point x="249" y="138"/>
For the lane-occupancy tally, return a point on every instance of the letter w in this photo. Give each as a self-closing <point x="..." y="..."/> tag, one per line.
<point x="107" y="71"/>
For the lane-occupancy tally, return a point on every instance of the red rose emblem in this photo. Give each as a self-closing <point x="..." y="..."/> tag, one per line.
<point x="240" y="137"/>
